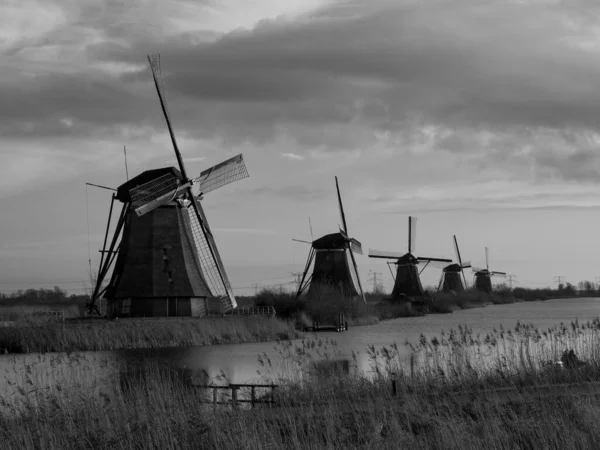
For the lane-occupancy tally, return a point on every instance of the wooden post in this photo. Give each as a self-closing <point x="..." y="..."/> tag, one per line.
<point x="394" y="386"/>
<point x="214" y="397"/>
<point x="234" y="396"/>
<point x="252" y="395"/>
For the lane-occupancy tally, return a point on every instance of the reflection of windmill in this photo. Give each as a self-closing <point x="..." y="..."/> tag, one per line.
<point x="407" y="281"/>
<point x="483" y="277"/>
<point x="167" y="262"/>
<point x="451" y="280"/>
<point x="334" y="262"/>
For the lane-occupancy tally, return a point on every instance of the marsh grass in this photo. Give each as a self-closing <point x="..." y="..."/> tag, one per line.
<point x="323" y="409"/>
<point x="26" y="313"/>
<point x="325" y="303"/>
<point x="142" y="333"/>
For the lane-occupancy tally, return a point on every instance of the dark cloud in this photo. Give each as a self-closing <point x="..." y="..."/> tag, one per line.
<point x="334" y="78"/>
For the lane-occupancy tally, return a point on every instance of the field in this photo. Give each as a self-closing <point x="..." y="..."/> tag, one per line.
<point x="444" y="400"/>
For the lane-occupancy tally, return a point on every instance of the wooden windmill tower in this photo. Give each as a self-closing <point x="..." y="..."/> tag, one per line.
<point x="167" y="262"/>
<point x="451" y="275"/>
<point x="483" y="277"/>
<point x="407" y="282"/>
<point x="334" y="262"/>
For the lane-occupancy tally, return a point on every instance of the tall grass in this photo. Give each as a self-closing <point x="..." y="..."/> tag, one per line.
<point x="322" y="409"/>
<point x="325" y="303"/>
<point x="142" y="333"/>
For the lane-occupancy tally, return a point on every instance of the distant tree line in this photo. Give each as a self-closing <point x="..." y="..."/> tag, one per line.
<point x="41" y="297"/>
<point x="564" y="290"/>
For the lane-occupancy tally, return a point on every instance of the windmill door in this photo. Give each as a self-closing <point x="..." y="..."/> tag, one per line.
<point x="172" y="306"/>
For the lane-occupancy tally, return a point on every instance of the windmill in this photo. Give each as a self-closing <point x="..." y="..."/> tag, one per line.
<point x="334" y="262"/>
<point x="407" y="282"/>
<point x="483" y="277"/>
<point x="451" y="280"/>
<point x="167" y="262"/>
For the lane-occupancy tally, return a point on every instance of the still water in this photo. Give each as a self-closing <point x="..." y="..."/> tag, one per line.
<point x="241" y="363"/>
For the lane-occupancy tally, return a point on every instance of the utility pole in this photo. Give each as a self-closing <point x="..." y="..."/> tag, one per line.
<point x="297" y="278"/>
<point x="373" y="279"/>
<point x="255" y="286"/>
<point x="559" y="279"/>
<point x="510" y="280"/>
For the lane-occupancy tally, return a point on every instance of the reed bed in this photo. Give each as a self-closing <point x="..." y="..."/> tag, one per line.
<point x="323" y="409"/>
<point x="142" y="333"/>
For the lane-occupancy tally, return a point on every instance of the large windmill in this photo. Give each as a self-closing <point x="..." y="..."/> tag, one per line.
<point x="407" y="282"/>
<point x="334" y="262"/>
<point x="167" y="262"/>
<point x="483" y="277"/>
<point x="451" y="275"/>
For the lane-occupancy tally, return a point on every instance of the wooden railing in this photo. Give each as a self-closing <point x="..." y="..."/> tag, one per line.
<point x="236" y="399"/>
<point x="254" y="311"/>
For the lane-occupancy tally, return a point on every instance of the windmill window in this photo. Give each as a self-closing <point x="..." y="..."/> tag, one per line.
<point x="126" y="306"/>
<point x="165" y="260"/>
<point x="170" y="276"/>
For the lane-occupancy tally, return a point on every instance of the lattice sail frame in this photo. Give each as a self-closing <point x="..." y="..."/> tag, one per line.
<point x="354" y="275"/>
<point x="210" y="261"/>
<point x="161" y="188"/>
<point x="228" y="171"/>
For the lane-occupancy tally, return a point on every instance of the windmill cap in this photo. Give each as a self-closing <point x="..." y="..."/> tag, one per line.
<point x="330" y="241"/>
<point x="452" y="268"/>
<point x="407" y="259"/>
<point x="123" y="194"/>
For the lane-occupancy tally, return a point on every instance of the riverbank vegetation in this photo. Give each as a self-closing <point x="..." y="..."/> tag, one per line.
<point x="444" y="399"/>
<point x="103" y="334"/>
<point x="325" y="303"/>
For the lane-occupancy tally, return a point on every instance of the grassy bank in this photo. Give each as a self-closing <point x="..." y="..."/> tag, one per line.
<point x="142" y="333"/>
<point x="317" y="410"/>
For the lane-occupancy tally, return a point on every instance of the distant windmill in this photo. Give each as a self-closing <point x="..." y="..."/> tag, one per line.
<point x="167" y="262"/>
<point x="407" y="282"/>
<point x="334" y="262"/>
<point x="451" y="275"/>
<point x="483" y="277"/>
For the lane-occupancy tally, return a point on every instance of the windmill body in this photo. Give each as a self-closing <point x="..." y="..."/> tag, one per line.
<point x="332" y="261"/>
<point x="407" y="281"/>
<point x="157" y="270"/>
<point x="332" y="265"/>
<point x="483" y="277"/>
<point x="167" y="262"/>
<point x="453" y="274"/>
<point x="452" y="279"/>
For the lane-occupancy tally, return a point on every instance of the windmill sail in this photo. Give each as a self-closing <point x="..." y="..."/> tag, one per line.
<point x="412" y="234"/>
<point x="355" y="277"/>
<point x="384" y="254"/>
<point x="356" y="246"/>
<point x="155" y="193"/>
<point x="210" y="260"/>
<point x="345" y="228"/>
<point x="222" y="174"/>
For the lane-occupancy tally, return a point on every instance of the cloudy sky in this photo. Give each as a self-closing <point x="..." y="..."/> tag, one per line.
<point x="479" y="118"/>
